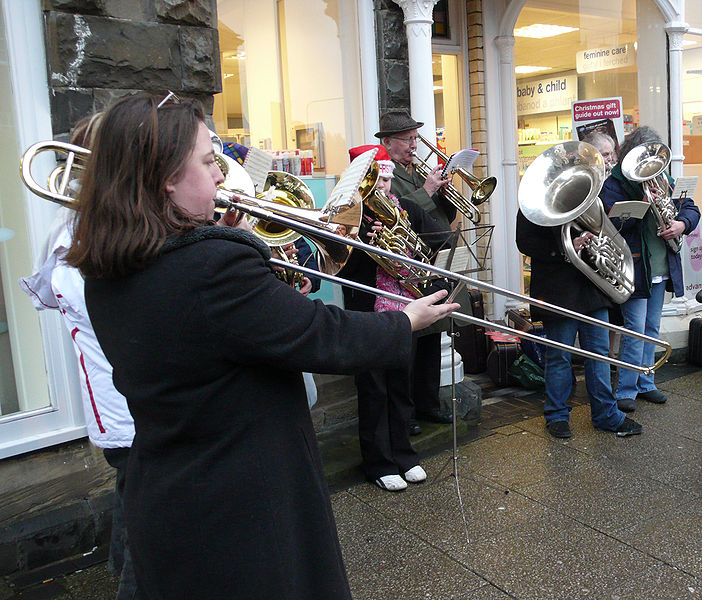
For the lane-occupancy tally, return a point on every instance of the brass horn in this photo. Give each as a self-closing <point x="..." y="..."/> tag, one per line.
<point x="481" y="188"/>
<point x="561" y="187"/>
<point x="646" y="164"/>
<point x="397" y="234"/>
<point x="61" y="176"/>
<point x="335" y="228"/>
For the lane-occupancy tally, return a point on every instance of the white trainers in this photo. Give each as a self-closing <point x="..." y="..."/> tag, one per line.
<point x="391" y="483"/>
<point x="416" y="475"/>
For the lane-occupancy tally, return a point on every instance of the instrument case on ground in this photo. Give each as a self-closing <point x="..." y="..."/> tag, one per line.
<point x="521" y="320"/>
<point x="694" y="342"/>
<point x="499" y="361"/>
<point x="471" y="342"/>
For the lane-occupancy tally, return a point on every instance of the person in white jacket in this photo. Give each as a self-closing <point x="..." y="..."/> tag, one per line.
<point x="58" y="286"/>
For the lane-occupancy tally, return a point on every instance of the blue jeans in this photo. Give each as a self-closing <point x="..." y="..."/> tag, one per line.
<point x="642" y="315"/>
<point x="559" y="374"/>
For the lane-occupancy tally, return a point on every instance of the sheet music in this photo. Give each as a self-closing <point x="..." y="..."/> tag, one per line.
<point x="461" y="259"/>
<point x="628" y="209"/>
<point x="257" y="164"/>
<point x="685" y="187"/>
<point x="351" y="178"/>
<point x="463" y="159"/>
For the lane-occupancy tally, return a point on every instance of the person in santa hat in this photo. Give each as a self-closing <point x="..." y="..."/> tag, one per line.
<point x="385" y="405"/>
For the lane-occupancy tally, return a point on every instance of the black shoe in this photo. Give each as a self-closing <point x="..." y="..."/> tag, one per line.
<point x="629" y="427"/>
<point x="560" y="429"/>
<point x="653" y="396"/>
<point x="414" y="428"/>
<point x="435" y="416"/>
<point x="626" y="405"/>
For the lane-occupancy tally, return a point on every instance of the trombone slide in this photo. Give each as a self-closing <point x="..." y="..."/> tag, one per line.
<point x="313" y="232"/>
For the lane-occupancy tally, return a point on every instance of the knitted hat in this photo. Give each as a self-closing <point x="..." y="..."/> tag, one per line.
<point x="385" y="165"/>
<point x="396" y="121"/>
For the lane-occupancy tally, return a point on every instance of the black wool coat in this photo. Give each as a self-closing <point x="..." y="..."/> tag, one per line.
<point x="553" y="279"/>
<point x="225" y="495"/>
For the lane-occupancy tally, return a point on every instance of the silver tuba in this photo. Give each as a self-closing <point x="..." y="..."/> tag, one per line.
<point x="561" y="187"/>
<point x="646" y="164"/>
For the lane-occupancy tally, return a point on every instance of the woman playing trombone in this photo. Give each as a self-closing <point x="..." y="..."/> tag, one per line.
<point x="225" y="491"/>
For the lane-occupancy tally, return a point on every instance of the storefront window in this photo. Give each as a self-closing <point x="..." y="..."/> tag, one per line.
<point x="290" y="80"/>
<point x="612" y="64"/>
<point x="692" y="137"/>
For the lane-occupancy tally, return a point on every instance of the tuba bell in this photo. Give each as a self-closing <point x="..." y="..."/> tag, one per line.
<point x="646" y="164"/>
<point x="561" y="187"/>
<point x="287" y="196"/>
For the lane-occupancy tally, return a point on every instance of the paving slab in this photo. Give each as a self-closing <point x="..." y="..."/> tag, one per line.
<point x="674" y="537"/>
<point x="606" y="497"/>
<point x="687" y="385"/>
<point x="656" y="582"/>
<point x="386" y="561"/>
<point x="433" y="510"/>
<point x="553" y="558"/>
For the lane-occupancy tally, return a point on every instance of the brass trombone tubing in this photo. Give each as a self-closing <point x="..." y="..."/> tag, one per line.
<point x="474" y="320"/>
<point x="313" y="231"/>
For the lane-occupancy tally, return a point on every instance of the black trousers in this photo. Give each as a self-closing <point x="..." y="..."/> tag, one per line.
<point x="426" y="372"/>
<point x="120" y="559"/>
<point x="384" y="410"/>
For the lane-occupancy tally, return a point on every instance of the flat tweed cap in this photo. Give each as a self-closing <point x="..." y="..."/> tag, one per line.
<point x="396" y="121"/>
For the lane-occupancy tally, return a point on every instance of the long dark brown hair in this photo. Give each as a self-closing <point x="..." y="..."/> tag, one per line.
<point x="124" y="214"/>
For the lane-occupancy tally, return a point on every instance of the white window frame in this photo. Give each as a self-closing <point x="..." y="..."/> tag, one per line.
<point x="62" y="419"/>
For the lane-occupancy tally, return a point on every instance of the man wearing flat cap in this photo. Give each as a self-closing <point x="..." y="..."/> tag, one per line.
<point x="398" y="133"/>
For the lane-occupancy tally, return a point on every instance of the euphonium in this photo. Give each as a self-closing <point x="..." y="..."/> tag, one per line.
<point x="646" y="164"/>
<point x="482" y="188"/>
<point x="281" y="188"/>
<point x="396" y="235"/>
<point x="561" y="187"/>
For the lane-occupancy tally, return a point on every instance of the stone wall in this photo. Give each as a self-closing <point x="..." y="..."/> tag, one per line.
<point x="98" y="50"/>
<point x="391" y="52"/>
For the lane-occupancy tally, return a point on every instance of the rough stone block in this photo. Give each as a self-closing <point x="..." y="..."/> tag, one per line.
<point x="393" y="39"/>
<point x="68" y="107"/>
<point x="132" y="10"/>
<point x="199" y="50"/>
<point x="188" y="12"/>
<point x="95" y="7"/>
<point x="111" y="53"/>
<point x="55" y="535"/>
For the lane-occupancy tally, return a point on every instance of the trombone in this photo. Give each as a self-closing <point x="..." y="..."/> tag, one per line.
<point x="234" y="201"/>
<point x="323" y="228"/>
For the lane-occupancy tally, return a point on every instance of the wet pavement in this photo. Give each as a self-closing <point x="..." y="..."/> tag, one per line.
<point x="528" y="517"/>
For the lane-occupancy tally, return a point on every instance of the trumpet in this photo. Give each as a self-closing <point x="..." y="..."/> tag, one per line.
<point x="646" y="164"/>
<point x="336" y="226"/>
<point x="482" y="188"/>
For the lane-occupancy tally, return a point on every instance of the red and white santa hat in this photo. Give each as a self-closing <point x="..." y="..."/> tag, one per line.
<point x="386" y="166"/>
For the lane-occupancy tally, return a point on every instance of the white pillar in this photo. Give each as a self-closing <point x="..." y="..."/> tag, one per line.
<point x="418" y="20"/>
<point x="676" y="31"/>
<point x="506" y="271"/>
